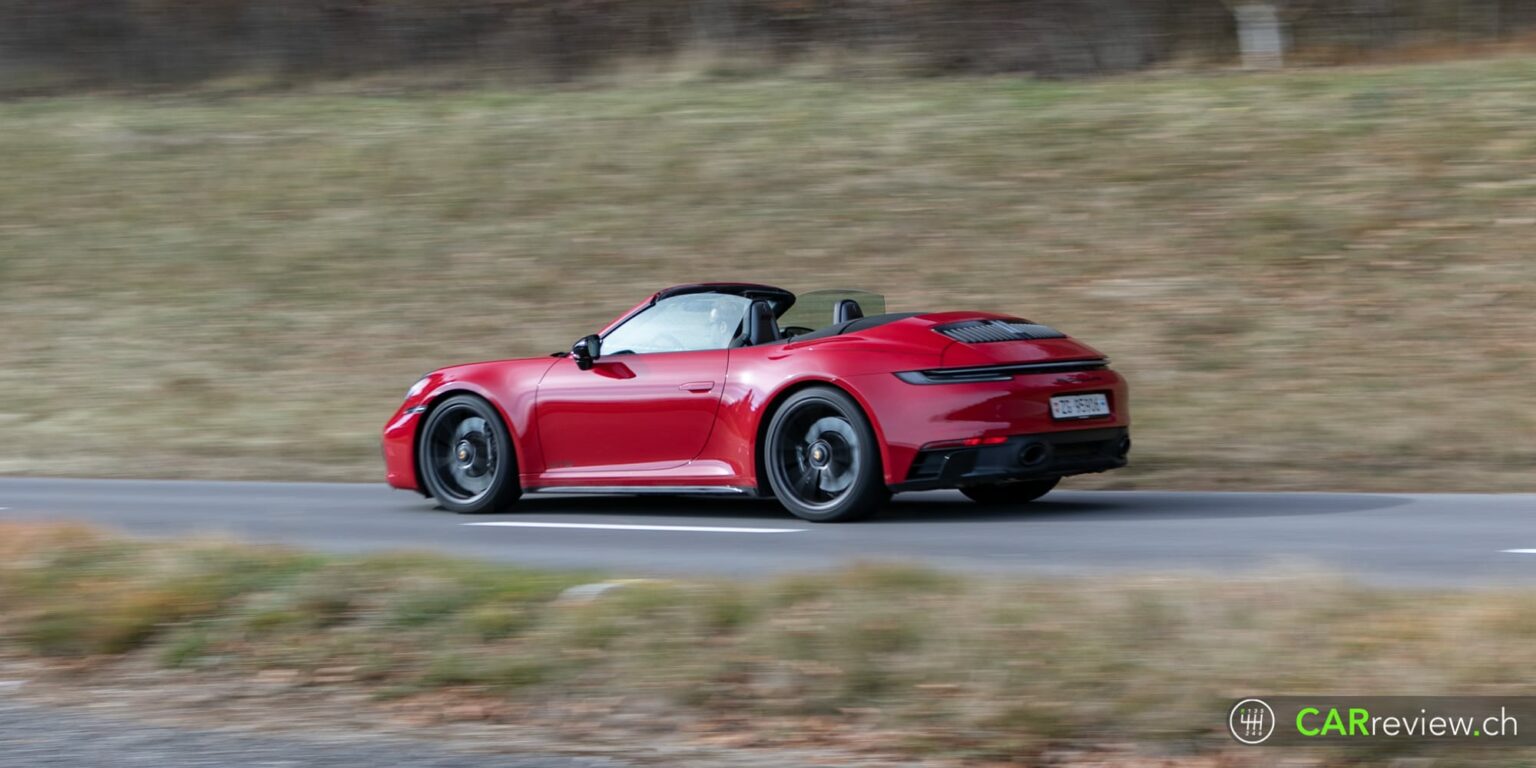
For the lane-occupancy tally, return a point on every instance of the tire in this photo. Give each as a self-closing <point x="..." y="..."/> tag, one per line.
<point x="1021" y="492"/>
<point x="465" y="457"/>
<point x="822" y="458"/>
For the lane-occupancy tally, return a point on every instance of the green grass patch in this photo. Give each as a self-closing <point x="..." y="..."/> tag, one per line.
<point x="990" y="669"/>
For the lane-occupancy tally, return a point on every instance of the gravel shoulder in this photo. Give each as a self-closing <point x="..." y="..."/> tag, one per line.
<point x="132" y="714"/>
<point x="36" y="736"/>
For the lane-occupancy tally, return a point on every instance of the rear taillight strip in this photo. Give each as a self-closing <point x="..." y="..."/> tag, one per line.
<point x="999" y="372"/>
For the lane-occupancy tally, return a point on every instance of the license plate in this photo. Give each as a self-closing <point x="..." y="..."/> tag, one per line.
<point x="1079" y="406"/>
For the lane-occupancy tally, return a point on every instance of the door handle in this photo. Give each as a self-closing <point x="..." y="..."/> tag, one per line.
<point x="697" y="386"/>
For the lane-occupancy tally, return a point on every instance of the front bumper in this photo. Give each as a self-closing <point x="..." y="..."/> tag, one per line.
<point x="1021" y="457"/>
<point x="398" y="447"/>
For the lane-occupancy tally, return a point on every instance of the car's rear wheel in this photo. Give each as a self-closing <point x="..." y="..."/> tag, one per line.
<point x="822" y="458"/>
<point x="1021" y="492"/>
<point x="466" y="457"/>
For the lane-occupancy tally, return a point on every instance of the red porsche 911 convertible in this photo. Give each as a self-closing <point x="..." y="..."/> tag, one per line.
<point x="733" y="388"/>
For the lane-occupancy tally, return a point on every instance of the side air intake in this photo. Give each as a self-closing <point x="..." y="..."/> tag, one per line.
<point x="985" y="331"/>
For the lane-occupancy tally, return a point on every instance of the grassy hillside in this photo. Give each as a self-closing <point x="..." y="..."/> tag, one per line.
<point x="1312" y="279"/>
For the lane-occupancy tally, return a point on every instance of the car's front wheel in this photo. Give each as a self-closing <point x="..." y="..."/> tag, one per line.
<point x="466" y="457"/>
<point x="822" y="458"/>
<point x="1021" y="492"/>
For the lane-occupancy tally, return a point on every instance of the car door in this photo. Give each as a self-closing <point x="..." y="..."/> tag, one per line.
<point x="648" y="402"/>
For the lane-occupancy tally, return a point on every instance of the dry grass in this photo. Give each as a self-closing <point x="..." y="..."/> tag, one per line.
<point x="1313" y="279"/>
<point x="934" y="664"/>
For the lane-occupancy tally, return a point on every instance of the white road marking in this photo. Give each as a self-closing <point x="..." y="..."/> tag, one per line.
<point x="1520" y="551"/>
<point x="607" y="527"/>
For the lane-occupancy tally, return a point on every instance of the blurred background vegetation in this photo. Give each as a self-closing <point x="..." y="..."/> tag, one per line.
<point x="46" y="43"/>
<point x="1314" y="278"/>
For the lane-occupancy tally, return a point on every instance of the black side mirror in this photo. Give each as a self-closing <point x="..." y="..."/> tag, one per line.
<point x="585" y="350"/>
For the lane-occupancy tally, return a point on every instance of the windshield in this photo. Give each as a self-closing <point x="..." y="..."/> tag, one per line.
<point x="688" y="323"/>
<point x="815" y="310"/>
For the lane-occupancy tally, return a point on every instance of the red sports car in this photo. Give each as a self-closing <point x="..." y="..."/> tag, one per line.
<point x="733" y="388"/>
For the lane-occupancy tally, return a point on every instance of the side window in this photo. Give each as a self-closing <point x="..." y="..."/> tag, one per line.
<point x="680" y="324"/>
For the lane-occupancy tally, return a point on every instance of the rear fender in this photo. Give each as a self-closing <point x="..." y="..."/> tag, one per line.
<point x="760" y="439"/>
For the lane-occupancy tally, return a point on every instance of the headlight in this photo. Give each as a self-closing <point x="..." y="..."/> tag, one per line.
<point x="416" y="388"/>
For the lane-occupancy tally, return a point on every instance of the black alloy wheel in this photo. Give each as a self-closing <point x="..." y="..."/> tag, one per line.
<point x="822" y="458"/>
<point x="466" y="457"/>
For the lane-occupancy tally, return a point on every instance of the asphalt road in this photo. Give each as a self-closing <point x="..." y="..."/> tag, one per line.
<point x="1451" y="540"/>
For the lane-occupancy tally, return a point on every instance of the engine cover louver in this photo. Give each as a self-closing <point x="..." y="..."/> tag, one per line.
<point x="984" y="331"/>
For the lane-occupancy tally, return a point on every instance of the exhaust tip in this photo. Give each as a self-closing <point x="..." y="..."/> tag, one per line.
<point x="1125" y="447"/>
<point x="1034" y="453"/>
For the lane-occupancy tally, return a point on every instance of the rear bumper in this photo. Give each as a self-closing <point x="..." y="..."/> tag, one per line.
<point x="1022" y="457"/>
<point x="911" y="419"/>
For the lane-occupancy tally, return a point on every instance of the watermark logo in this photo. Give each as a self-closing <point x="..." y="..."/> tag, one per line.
<point x="1251" y="721"/>
<point x="1336" y="720"/>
